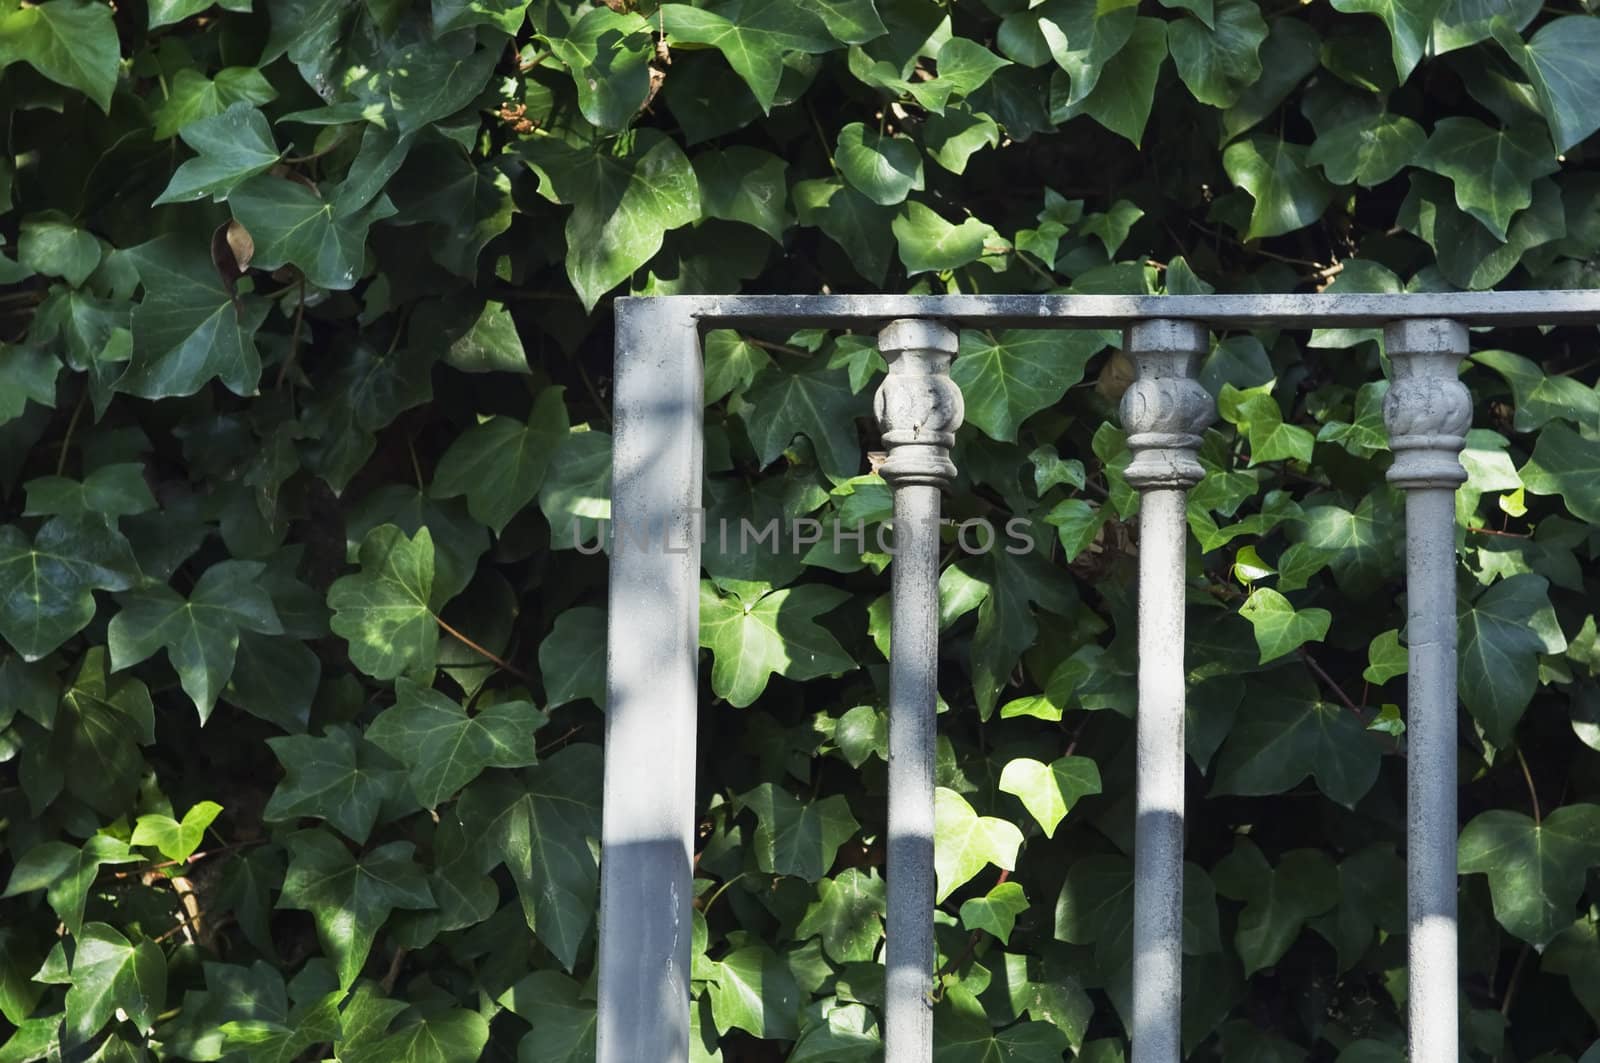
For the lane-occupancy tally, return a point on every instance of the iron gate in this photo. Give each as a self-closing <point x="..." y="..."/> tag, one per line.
<point x="652" y="658"/>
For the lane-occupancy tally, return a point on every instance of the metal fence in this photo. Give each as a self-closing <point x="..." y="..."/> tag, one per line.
<point x="649" y="816"/>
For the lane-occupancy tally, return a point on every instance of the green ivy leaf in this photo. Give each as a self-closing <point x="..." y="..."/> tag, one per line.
<point x="200" y="635"/>
<point x="1493" y="170"/>
<point x="1048" y="791"/>
<point x="1566" y="464"/>
<point x="851" y="220"/>
<point x="753" y="990"/>
<point x="964" y="843"/>
<point x="111" y="491"/>
<point x="110" y="973"/>
<point x="444" y="748"/>
<point x="1125" y="93"/>
<point x="1007" y="377"/>
<point x="563" y="1024"/>
<point x="1278" y="900"/>
<point x="71" y="42"/>
<point x="745" y="185"/>
<point x="454" y="1036"/>
<point x="757" y="631"/>
<point x="383" y="610"/>
<point x="50" y="582"/>
<point x="572" y="658"/>
<point x="963" y="1033"/>
<point x="65" y="873"/>
<point x="1410" y="22"/>
<point x="753" y="36"/>
<point x="49" y="243"/>
<point x="847" y="915"/>
<point x="996" y="911"/>
<point x="1560" y="62"/>
<point x="1279" y="627"/>
<point x="1368" y="150"/>
<point x="339" y="777"/>
<point x="928" y="243"/>
<point x="292" y="224"/>
<point x="500" y="463"/>
<point x="609" y="54"/>
<point x="193" y="97"/>
<point x="795" y="837"/>
<point x="576" y="494"/>
<point x="1257" y="412"/>
<point x="1502" y="635"/>
<point x="234" y="146"/>
<point x="1536" y="869"/>
<point x="623" y="203"/>
<point x="1285" y="737"/>
<point x="1386" y="658"/>
<point x="1541" y="398"/>
<point x="883" y="168"/>
<point x="1219" y="61"/>
<point x="1287" y="195"/>
<point x="811" y="400"/>
<point x="176" y="840"/>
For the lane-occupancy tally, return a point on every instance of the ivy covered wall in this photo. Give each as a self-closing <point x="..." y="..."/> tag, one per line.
<point x="304" y="426"/>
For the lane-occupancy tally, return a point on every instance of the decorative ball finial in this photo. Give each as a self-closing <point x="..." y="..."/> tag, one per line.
<point x="1165" y="410"/>
<point x="918" y="406"/>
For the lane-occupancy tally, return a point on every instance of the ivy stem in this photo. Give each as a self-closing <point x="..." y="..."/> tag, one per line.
<point x="72" y="426"/>
<point x="1311" y="662"/>
<point x="719" y="891"/>
<point x="1516" y="980"/>
<point x="294" y="337"/>
<point x="475" y="648"/>
<point x="1533" y="794"/>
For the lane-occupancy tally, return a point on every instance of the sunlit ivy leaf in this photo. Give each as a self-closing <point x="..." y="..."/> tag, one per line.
<point x="1285" y="737"/>
<point x="753" y="990"/>
<point x="572" y="658"/>
<point x="1368" y="150"/>
<point x="732" y="362"/>
<point x="807" y="399"/>
<point x="996" y="911"/>
<point x="454" y="1036"/>
<point x="1288" y="196"/>
<point x="624" y="200"/>
<point x="758" y="631"/>
<point x="1257" y="412"/>
<point x="233" y="147"/>
<point x="383" y="610"/>
<point x="539" y="824"/>
<point x="1007" y="377"/>
<point x="1281" y="628"/>
<point x="1048" y="791"/>
<point x="1463" y="23"/>
<point x="964" y="843"/>
<point x="955" y="136"/>
<point x="1386" y="658"/>
<point x="339" y="777"/>
<point x="1502" y="633"/>
<point x="1220" y="61"/>
<point x="1279" y="900"/>
<point x="65" y="873"/>
<point x="50" y="582"/>
<point x="1566" y="464"/>
<point x="1410" y="22"/>
<point x="849" y="1035"/>
<point x="563" y="1023"/>
<point x="1560" y="60"/>
<point x="1540" y="397"/>
<point x="795" y="837"/>
<point x="847" y="915"/>
<point x="71" y="42"/>
<point x="189" y="327"/>
<point x="963" y="1033"/>
<point x="1493" y="170"/>
<point x="111" y="974"/>
<point x="746" y="185"/>
<point x="576" y="495"/>
<point x="1079" y="35"/>
<point x="929" y="243"/>
<point x="200" y="634"/>
<point x="350" y="898"/>
<point x="608" y="53"/>
<point x="752" y="35"/>
<point x="1536" y="869"/>
<point x="883" y="168"/>
<point x="175" y="839"/>
<point x="283" y="1034"/>
<point x="1125" y="93"/>
<point x="444" y="747"/>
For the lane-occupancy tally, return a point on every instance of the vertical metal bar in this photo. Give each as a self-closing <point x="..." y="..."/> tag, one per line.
<point x="919" y="409"/>
<point x="651" y="687"/>
<point x="1427" y="412"/>
<point x="1164" y="411"/>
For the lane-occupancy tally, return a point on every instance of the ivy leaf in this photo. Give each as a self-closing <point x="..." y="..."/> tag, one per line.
<point x="753" y="36"/>
<point x="234" y="146"/>
<point x="110" y="973"/>
<point x="339" y="777"/>
<point x="1410" y="22"/>
<point x="193" y="96"/>
<point x="811" y="400"/>
<point x="1218" y="62"/>
<point x="99" y="725"/>
<point x="111" y="491"/>
<point x="851" y="220"/>
<point x="753" y="990"/>
<point x="1007" y="377"/>
<point x="1541" y="398"/>
<point x="928" y="243"/>
<point x="176" y="840"/>
<point x="291" y="224"/>
<point x="847" y="915"/>
<point x="1125" y="93"/>
<point x="1048" y="791"/>
<point x="201" y="635"/>
<point x="444" y="748"/>
<point x="1279" y="627"/>
<point x="576" y="494"/>
<point x="563" y="1024"/>
<point x="758" y="631"/>
<point x="745" y="185"/>
<point x="383" y="610"/>
<point x="71" y="42"/>
<point x="350" y="898"/>
<point x="540" y="825"/>
<point x="50" y="582"/>
<point x="964" y="843"/>
<point x="572" y="658"/>
<point x="963" y="1033"/>
<point x="28" y="375"/>
<point x="794" y="837"/>
<point x="624" y="202"/>
<point x="1368" y="150"/>
<point x="65" y="873"/>
<point x="500" y="464"/>
<point x="49" y="243"/>
<point x="1493" y="170"/>
<point x="1287" y="195"/>
<point x="955" y="136"/>
<point x="189" y="327"/>
<point x="609" y="54"/>
<point x="1560" y="61"/>
<point x="1279" y="900"/>
<point x="1285" y="737"/>
<point x="882" y="168"/>
<point x="1080" y="35"/>
<point x="454" y="1036"/>
<point x="1566" y="464"/>
<point x="1386" y="658"/>
<point x="996" y="911"/>
<point x="1502" y="635"/>
<point x="1536" y="870"/>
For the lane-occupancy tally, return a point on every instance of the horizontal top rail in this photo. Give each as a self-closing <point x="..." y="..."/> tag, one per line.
<point x="1323" y="310"/>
